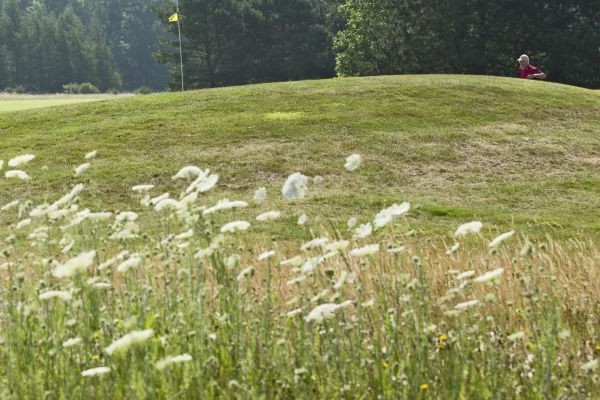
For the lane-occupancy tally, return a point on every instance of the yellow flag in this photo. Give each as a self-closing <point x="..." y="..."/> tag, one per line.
<point x="174" y="18"/>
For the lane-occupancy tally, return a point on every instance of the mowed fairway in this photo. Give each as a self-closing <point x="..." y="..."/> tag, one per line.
<point x="459" y="260"/>
<point x="26" y="102"/>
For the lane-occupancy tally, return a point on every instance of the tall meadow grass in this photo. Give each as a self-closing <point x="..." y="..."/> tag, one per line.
<point x="92" y="305"/>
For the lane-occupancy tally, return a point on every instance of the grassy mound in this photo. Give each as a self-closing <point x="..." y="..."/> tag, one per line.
<point x="518" y="154"/>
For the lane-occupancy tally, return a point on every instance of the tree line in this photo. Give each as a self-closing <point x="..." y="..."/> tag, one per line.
<point x="125" y="44"/>
<point x="47" y="44"/>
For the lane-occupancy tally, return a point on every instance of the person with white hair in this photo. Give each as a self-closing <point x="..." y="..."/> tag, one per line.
<point x="528" y="71"/>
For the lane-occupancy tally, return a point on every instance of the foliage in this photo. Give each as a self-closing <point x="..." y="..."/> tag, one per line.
<point x="143" y="90"/>
<point x="80" y="88"/>
<point x="241" y="41"/>
<point x="45" y="44"/>
<point x="470" y="37"/>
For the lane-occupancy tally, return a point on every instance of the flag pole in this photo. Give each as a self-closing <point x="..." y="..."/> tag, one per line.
<point x="180" y="52"/>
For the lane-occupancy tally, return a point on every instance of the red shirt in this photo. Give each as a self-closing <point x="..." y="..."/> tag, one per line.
<point x="529" y="70"/>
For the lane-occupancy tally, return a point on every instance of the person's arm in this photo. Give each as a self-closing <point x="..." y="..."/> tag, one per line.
<point x="539" y="75"/>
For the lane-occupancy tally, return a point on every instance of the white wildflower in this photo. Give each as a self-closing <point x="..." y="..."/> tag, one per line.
<point x="10" y="205"/>
<point x="352" y="162"/>
<point x="590" y="365"/>
<point x="235" y="226"/>
<point x="341" y="280"/>
<point x="296" y="281"/>
<point x="260" y="195"/>
<point x="185" y="235"/>
<point x="72" y="342"/>
<point x="365" y="250"/>
<point x="189" y="171"/>
<point x="265" y="255"/>
<point x="300" y="371"/>
<point x="317" y="242"/>
<point x="165" y="362"/>
<point x="17" y="173"/>
<point x="68" y="247"/>
<point x="309" y="265"/>
<point x="23" y="223"/>
<point x="319" y="296"/>
<point x="188" y="200"/>
<point x="466" y="304"/>
<point x="82" y="168"/>
<point x="564" y="334"/>
<point x="339" y="245"/>
<point x="95" y="371"/>
<point x="488" y="276"/>
<point x="295" y="186"/>
<point x="101" y="285"/>
<point x="133" y="261"/>
<point x="203" y="183"/>
<point x="295" y="261"/>
<point x="155" y="200"/>
<point x="119" y="257"/>
<point x="167" y="204"/>
<point x="126" y="216"/>
<point x="66" y="199"/>
<point x="516" y="336"/>
<point x="91" y="154"/>
<point x="75" y="265"/>
<point x="142" y="188"/>
<point x="363" y="231"/>
<point x="302" y="219"/>
<point x="58" y="294"/>
<point x="496" y="242"/>
<point x="465" y="275"/>
<point x="130" y="339"/>
<point x="293" y="313"/>
<point x="325" y="311"/>
<point x="453" y="249"/>
<point x="20" y="160"/>
<point x="368" y="303"/>
<point x="245" y="273"/>
<point x="54" y="215"/>
<point x="224" y="204"/>
<point x="452" y="313"/>
<point x="352" y="222"/>
<point x="268" y="216"/>
<point x="469" y="227"/>
<point x="396" y="250"/>
<point x="204" y="253"/>
<point x="386" y="216"/>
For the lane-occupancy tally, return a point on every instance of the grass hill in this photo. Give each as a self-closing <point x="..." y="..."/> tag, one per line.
<point x="181" y="301"/>
<point x="516" y="154"/>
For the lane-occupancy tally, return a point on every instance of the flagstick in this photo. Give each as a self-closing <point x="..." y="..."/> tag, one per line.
<point x="180" y="52"/>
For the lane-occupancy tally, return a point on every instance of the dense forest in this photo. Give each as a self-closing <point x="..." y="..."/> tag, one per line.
<point x="122" y="45"/>
<point x="45" y="44"/>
